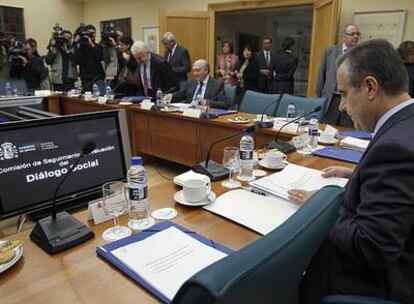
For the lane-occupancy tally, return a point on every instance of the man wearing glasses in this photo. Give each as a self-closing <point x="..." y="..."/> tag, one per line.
<point x="327" y="84"/>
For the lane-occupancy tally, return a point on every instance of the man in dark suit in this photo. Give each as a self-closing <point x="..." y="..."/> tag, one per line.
<point x="284" y="67"/>
<point x="326" y="85"/>
<point x="202" y="86"/>
<point x="154" y="71"/>
<point x="370" y="249"/>
<point x="265" y="59"/>
<point x="177" y="56"/>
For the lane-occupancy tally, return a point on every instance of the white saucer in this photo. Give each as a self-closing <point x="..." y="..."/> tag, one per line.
<point x="333" y="141"/>
<point x="259" y="173"/>
<point x="169" y="110"/>
<point x="164" y="213"/>
<point x="179" y="198"/>
<point x="18" y="254"/>
<point x="125" y="103"/>
<point x="239" y="121"/>
<point x="279" y="166"/>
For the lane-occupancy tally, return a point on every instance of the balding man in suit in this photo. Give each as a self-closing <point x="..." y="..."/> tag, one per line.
<point x="327" y="84"/>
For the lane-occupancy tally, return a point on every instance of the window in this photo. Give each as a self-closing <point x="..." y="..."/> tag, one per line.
<point x="12" y="22"/>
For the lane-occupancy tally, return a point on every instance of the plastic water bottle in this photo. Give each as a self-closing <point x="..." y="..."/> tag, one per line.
<point x="137" y="194"/>
<point x="246" y="158"/>
<point x="313" y="133"/>
<point x="159" y="95"/>
<point x="108" y="91"/>
<point x="95" y="90"/>
<point x="8" y="89"/>
<point x="291" y="112"/>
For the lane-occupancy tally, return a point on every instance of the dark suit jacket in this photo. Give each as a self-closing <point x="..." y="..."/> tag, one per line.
<point x="214" y="92"/>
<point x="264" y="82"/>
<point x="162" y="76"/>
<point x="370" y="249"/>
<point x="250" y="75"/>
<point x="284" y="64"/>
<point x="180" y="62"/>
<point x="410" y="71"/>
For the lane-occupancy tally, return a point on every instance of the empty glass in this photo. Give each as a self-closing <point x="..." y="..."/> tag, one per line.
<point x="231" y="160"/>
<point x="114" y="203"/>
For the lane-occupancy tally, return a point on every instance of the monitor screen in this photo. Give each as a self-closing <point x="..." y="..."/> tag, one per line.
<point x="36" y="154"/>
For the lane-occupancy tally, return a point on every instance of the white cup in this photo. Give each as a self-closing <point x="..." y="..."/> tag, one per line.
<point x="274" y="158"/>
<point x="196" y="190"/>
<point x="259" y="117"/>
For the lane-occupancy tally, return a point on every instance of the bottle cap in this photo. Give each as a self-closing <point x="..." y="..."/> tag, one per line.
<point x="137" y="160"/>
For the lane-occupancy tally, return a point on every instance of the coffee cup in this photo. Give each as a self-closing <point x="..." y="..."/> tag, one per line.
<point x="196" y="190"/>
<point x="260" y="117"/>
<point x="274" y="158"/>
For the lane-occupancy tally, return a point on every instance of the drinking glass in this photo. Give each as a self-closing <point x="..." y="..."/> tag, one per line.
<point x="231" y="160"/>
<point x="114" y="203"/>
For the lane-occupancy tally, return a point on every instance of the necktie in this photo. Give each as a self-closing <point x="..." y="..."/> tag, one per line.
<point x="200" y="87"/>
<point x="169" y="56"/>
<point x="267" y="59"/>
<point x="145" y="80"/>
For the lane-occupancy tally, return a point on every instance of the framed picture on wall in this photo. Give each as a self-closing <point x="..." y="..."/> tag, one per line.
<point x="151" y="38"/>
<point x="388" y="25"/>
<point x="123" y="25"/>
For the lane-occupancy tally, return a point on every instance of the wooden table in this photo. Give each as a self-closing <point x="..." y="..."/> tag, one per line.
<point x="171" y="136"/>
<point x="79" y="276"/>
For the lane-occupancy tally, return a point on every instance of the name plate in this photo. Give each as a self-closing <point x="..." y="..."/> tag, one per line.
<point x="102" y="99"/>
<point x="146" y="105"/>
<point x="196" y="113"/>
<point x="97" y="213"/>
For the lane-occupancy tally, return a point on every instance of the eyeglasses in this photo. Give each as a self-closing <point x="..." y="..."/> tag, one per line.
<point x="358" y="34"/>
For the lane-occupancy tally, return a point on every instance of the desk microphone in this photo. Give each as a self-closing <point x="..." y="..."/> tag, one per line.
<point x="268" y="124"/>
<point x="62" y="231"/>
<point x="282" y="145"/>
<point x="213" y="169"/>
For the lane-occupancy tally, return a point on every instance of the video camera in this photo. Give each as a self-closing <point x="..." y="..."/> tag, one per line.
<point x="57" y="35"/>
<point x="15" y="51"/>
<point x="84" y="32"/>
<point x="107" y="32"/>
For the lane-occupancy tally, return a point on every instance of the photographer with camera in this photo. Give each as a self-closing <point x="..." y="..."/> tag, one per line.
<point x="60" y="58"/>
<point x="25" y="64"/>
<point x="89" y="56"/>
<point x="111" y="53"/>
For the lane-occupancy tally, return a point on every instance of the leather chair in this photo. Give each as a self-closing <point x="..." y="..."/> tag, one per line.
<point x="255" y="103"/>
<point x="301" y="104"/>
<point x="270" y="269"/>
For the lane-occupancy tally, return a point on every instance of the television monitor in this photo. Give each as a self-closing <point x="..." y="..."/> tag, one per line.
<point x="36" y="154"/>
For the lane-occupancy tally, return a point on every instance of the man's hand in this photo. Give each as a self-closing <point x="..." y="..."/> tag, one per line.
<point x="91" y="42"/>
<point x="336" y="171"/>
<point x="126" y="56"/>
<point x="265" y="72"/>
<point x="167" y="98"/>
<point x="112" y="41"/>
<point x="300" y="196"/>
<point x="23" y="59"/>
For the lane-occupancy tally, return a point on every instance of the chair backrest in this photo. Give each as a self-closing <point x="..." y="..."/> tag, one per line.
<point x="255" y="103"/>
<point x="230" y="92"/>
<point x="302" y="104"/>
<point x="270" y="269"/>
<point x="19" y="84"/>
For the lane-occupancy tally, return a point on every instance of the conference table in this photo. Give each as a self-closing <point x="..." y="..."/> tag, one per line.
<point x="78" y="275"/>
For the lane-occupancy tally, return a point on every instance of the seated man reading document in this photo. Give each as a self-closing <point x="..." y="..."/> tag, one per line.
<point x="370" y="249"/>
<point x="202" y="86"/>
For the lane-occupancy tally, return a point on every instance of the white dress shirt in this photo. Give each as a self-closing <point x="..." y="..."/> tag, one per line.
<point x="141" y="71"/>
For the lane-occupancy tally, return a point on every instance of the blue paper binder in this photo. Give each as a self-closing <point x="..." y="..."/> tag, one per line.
<point x="357" y="134"/>
<point x="220" y="112"/>
<point x="105" y="252"/>
<point x="351" y="156"/>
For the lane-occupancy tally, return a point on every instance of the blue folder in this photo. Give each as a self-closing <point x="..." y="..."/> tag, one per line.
<point x="348" y="155"/>
<point x="135" y="98"/>
<point x="357" y="134"/>
<point x="220" y="112"/>
<point x="105" y="252"/>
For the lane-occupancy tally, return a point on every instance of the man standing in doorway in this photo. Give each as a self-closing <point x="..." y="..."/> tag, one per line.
<point x="265" y="59"/>
<point x="327" y="83"/>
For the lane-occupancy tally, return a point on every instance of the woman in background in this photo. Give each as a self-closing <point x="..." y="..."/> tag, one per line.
<point x="227" y="64"/>
<point x="248" y="71"/>
<point x="406" y="50"/>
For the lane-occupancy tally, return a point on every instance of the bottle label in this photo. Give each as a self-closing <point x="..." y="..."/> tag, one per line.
<point x="313" y="131"/>
<point x="137" y="194"/>
<point x="246" y="154"/>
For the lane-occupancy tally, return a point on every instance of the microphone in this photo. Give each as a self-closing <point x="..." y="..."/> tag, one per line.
<point x="213" y="169"/>
<point x="283" y="146"/>
<point x="268" y="124"/>
<point x="61" y="231"/>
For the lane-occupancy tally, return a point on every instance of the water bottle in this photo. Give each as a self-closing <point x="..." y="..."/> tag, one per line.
<point x="8" y="89"/>
<point x="159" y="95"/>
<point x="95" y="90"/>
<point x="137" y="194"/>
<point x="313" y="133"/>
<point x="246" y="158"/>
<point x="108" y="91"/>
<point x="291" y="112"/>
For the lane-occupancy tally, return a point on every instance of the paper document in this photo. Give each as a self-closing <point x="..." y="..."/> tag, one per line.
<point x="295" y="177"/>
<point x="167" y="259"/>
<point x="257" y="212"/>
<point x="355" y="143"/>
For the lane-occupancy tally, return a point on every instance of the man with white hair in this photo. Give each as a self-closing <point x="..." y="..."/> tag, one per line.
<point x="202" y="86"/>
<point x="177" y="56"/>
<point x="155" y="73"/>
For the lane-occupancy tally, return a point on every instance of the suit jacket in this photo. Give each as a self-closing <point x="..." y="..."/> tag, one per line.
<point x="284" y="64"/>
<point x="370" y="249"/>
<point x="410" y="72"/>
<point x="214" y="92"/>
<point x="326" y="84"/>
<point x="264" y="82"/>
<point x="162" y="76"/>
<point x="180" y="62"/>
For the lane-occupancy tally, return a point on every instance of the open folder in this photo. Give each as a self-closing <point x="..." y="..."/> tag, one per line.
<point x="115" y="253"/>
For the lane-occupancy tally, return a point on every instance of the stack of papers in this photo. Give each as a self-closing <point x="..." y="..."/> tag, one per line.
<point x="354" y="143"/>
<point x="295" y="177"/>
